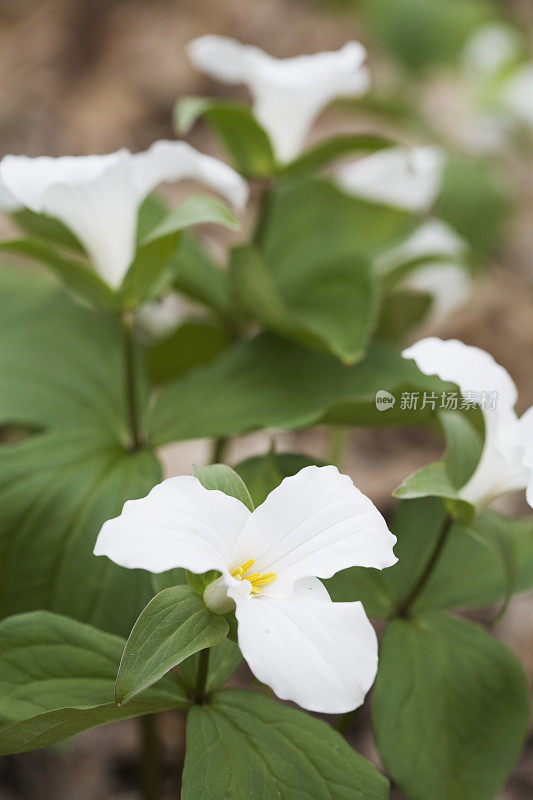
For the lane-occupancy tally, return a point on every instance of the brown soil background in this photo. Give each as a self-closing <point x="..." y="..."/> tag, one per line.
<point x="80" y="77"/>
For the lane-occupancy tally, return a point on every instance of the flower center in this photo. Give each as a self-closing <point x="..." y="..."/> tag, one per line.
<point x="257" y="579"/>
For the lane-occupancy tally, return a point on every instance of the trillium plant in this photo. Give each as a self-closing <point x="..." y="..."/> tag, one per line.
<point x="268" y="602"/>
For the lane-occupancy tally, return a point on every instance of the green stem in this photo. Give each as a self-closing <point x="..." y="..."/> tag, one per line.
<point x="219" y="450"/>
<point x="338" y="444"/>
<point x="407" y="603"/>
<point x="201" y="677"/>
<point x="131" y="384"/>
<point x="151" y="758"/>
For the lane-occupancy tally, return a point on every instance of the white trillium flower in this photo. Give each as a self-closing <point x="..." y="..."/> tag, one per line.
<point x="506" y="463"/>
<point x="447" y="282"/>
<point x="402" y="177"/>
<point x="320" y="654"/>
<point x="498" y="88"/>
<point x="98" y="197"/>
<point x="288" y="93"/>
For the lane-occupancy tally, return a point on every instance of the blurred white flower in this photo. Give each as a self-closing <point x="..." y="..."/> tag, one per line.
<point x="410" y="179"/>
<point x="449" y="283"/>
<point x="98" y="197"/>
<point x="403" y="177"/>
<point x="288" y="93"/>
<point x="489" y="50"/>
<point x="495" y="90"/>
<point x="160" y="317"/>
<point x="320" y="654"/>
<point x="506" y="463"/>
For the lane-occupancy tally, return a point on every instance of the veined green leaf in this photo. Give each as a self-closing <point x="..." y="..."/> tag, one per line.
<point x="267" y="383"/>
<point x="261" y="749"/>
<point x="76" y="275"/>
<point x="174" y="625"/>
<point x="61" y="369"/>
<point x="451" y="708"/>
<point x="58" y="679"/>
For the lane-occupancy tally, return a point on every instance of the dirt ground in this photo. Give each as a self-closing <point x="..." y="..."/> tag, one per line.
<point x="95" y="75"/>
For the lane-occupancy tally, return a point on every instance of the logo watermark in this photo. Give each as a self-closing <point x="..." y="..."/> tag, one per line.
<point x="384" y="400"/>
<point x="444" y="401"/>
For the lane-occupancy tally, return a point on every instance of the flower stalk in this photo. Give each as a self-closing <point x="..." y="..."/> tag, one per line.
<point x="201" y="678"/>
<point x="131" y="383"/>
<point x="407" y="603"/>
<point x="151" y="758"/>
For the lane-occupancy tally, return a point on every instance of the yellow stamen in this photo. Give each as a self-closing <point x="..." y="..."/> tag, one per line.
<point x="257" y="579"/>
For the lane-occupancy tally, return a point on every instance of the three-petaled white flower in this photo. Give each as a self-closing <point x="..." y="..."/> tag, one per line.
<point x="98" y="197"/>
<point x="506" y="463"/>
<point x="320" y="654"/>
<point x="288" y="93"/>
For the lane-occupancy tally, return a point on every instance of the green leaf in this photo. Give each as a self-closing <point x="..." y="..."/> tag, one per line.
<point x="261" y="749"/>
<point x="451" y="708"/>
<point x="147" y="275"/>
<point x="482" y="564"/>
<point x="195" y="274"/>
<point x="151" y="271"/>
<point x="224" y="479"/>
<point x="174" y="625"/>
<point x="433" y="481"/>
<point x="400" y="311"/>
<point x="472" y="570"/>
<point x="311" y="221"/>
<point x="224" y="658"/>
<point x="58" y="679"/>
<point x="475" y="201"/>
<point x="48" y="228"/>
<point x="61" y="368"/>
<point x="243" y="137"/>
<point x="315" y="282"/>
<point x="313" y="159"/>
<point x="267" y="383"/>
<point x="332" y="308"/>
<point x="464" y="434"/>
<point x="445" y="478"/>
<point x="76" y="275"/>
<point x="196" y="210"/>
<point x="192" y="344"/>
<point x="262" y="474"/>
<point x="425" y="33"/>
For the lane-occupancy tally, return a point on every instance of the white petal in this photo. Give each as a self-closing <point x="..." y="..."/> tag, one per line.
<point x="526" y="433"/>
<point x="500" y="468"/>
<point x="288" y="93"/>
<point x="319" y="654"/>
<point x="470" y="367"/>
<point x="92" y="195"/>
<point x="449" y="285"/>
<point x="8" y="202"/>
<point x="175" y="161"/>
<point x="224" y="59"/>
<point x="403" y="177"/>
<point x="314" y="523"/>
<point x="98" y="197"/>
<point x="490" y="49"/>
<point x="518" y="93"/>
<point x="179" y="524"/>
